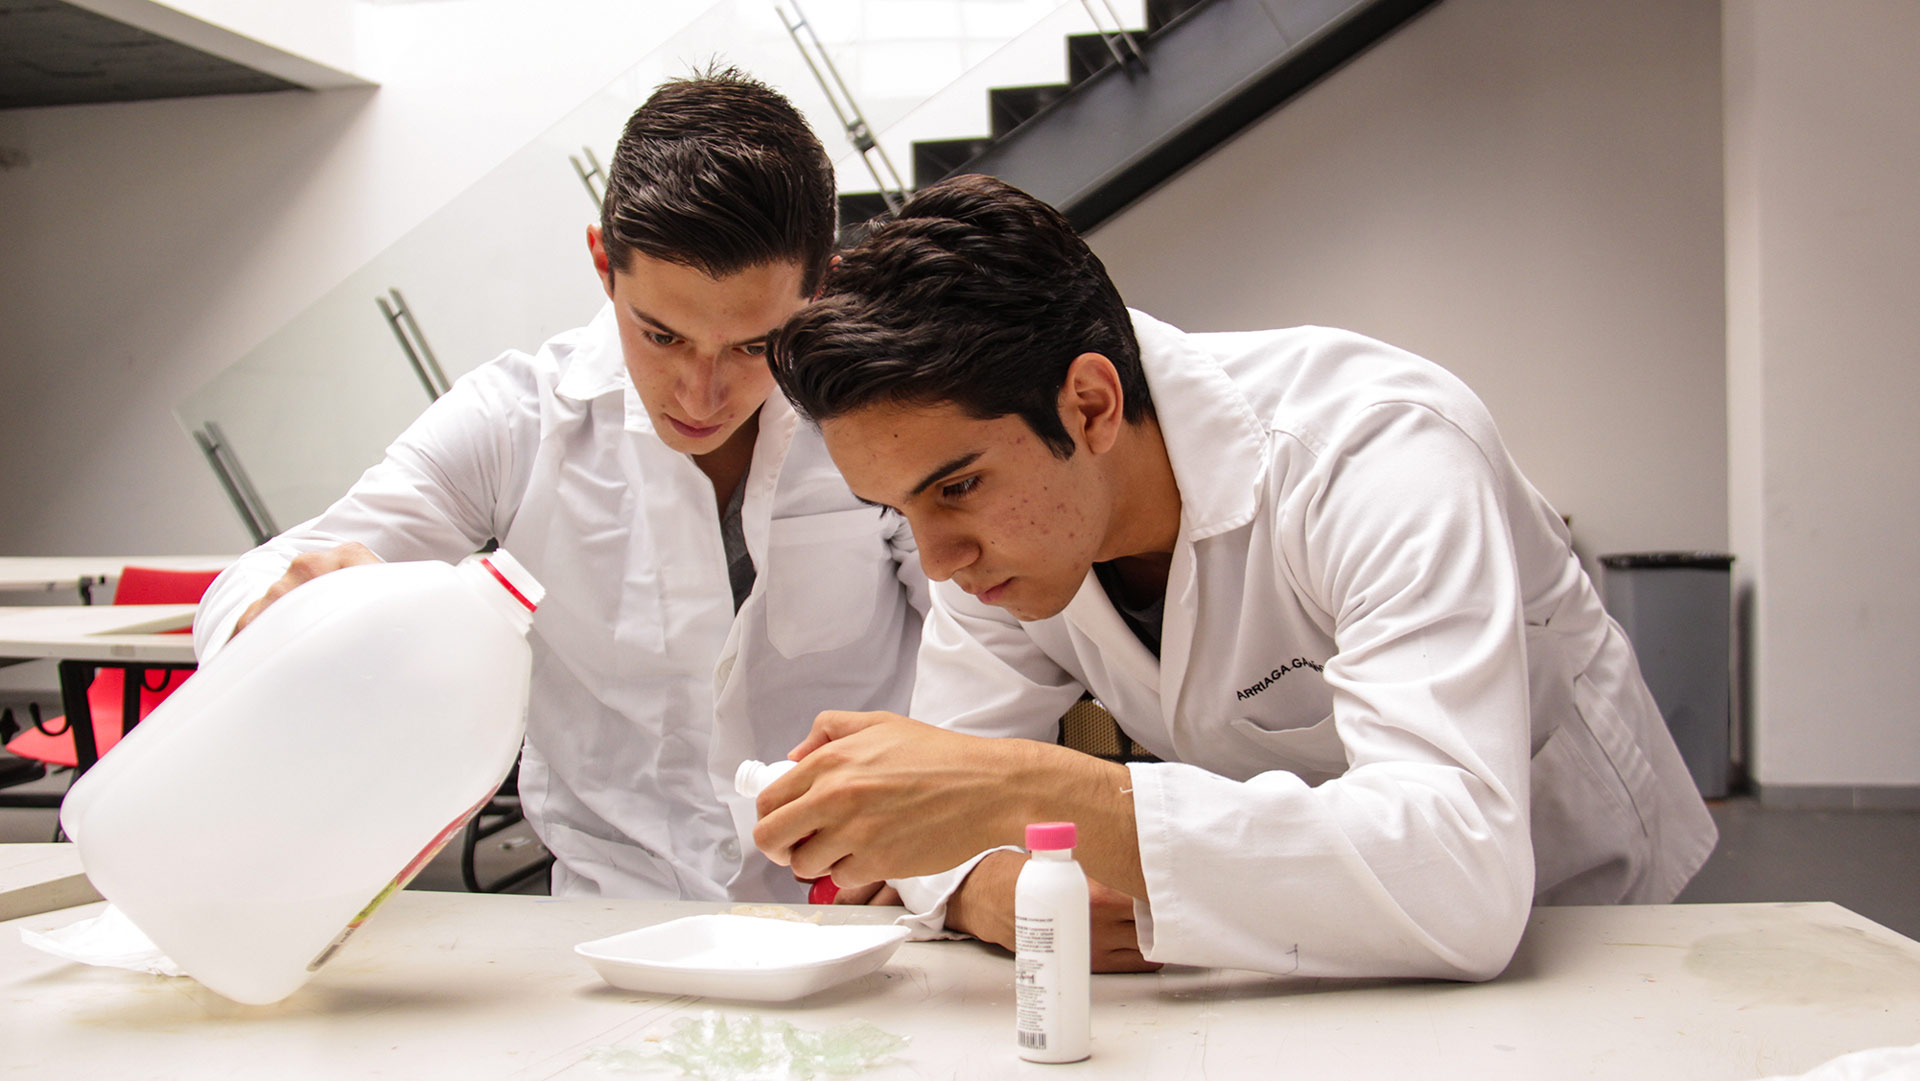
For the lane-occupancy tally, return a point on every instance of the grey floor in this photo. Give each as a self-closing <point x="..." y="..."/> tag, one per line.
<point x="1868" y="861"/>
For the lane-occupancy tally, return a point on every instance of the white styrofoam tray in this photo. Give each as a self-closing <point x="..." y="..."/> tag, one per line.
<point x="741" y="957"/>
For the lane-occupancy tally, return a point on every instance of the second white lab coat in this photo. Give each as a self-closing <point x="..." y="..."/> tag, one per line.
<point x="1391" y="709"/>
<point x="648" y="690"/>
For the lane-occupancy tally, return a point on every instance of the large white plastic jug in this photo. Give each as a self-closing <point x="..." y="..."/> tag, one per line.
<point x="266" y="808"/>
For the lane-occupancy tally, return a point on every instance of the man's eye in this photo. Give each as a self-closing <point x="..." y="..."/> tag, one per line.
<point x="959" y="488"/>
<point x="661" y="338"/>
<point x="755" y="349"/>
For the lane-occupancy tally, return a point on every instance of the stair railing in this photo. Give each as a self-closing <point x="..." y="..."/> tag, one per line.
<point x="1117" y="39"/>
<point x="859" y="132"/>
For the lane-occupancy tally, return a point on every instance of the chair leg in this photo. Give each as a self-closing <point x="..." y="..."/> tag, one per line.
<point x="500" y="813"/>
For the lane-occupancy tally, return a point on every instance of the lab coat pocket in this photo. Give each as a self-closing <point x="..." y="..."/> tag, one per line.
<point x="1590" y="840"/>
<point x="1313" y="752"/>
<point x="1616" y="739"/>
<point x="825" y="575"/>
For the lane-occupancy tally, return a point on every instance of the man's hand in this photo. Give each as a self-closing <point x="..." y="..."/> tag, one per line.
<point x="873" y="893"/>
<point x="305" y="568"/>
<point x="878" y="796"/>
<point x="983" y="907"/>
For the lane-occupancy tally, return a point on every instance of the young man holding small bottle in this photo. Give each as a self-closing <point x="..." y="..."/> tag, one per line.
<point x="1298" y="566"/>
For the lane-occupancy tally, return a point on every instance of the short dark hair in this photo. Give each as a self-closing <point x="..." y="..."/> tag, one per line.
<point x="720" y="172"/>
<point x="976" y="294"/>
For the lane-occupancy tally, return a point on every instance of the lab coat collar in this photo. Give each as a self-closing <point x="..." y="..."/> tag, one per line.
<point x="596" y="368"/>
<point x="778" y="424"/>
<point x="1217" y="445"/>
<point x="1218" y="450"/>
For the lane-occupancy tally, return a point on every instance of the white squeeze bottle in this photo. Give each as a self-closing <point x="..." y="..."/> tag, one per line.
<point x="1052" y="940"/>
<point x="749" y="780"/>
<point x="280" y="795"/>
<point x="753" y="776"/>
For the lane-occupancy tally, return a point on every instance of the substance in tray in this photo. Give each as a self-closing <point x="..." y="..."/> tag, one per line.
<point x="711" y="1047"/>
<point x="774" y="912"/>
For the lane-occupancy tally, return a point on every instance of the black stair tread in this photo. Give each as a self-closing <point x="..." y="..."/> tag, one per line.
<point x="861" y="204"/>
<point x="1162" y="12"/>
<point x="936" y="158"/>
<point x="857" y="208"/>
<point x="1088" y="54"/>
<point x="1010" y="106"/>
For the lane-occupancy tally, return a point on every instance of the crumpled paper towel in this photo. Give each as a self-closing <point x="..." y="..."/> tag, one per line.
<point x="109" y="939"/>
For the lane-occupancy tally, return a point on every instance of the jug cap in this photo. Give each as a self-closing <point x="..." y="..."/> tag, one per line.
<point x="517" y="579"/>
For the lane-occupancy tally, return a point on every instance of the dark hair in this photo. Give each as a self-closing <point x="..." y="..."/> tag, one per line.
<point x="719" y="172"/>
<point x="976" y="294"/>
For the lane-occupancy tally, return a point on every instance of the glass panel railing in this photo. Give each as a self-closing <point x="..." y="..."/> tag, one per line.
<point x="293" y="423"/>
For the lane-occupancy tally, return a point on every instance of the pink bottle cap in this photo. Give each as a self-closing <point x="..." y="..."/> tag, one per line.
<point x="1051" y="835"/>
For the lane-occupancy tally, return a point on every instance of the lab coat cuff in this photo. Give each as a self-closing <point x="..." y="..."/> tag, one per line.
<point x="926" y="898"/>
<point x="216" y="636"/>
<point x="1150" y="827"/>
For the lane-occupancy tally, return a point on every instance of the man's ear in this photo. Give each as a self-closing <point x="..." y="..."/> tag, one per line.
<point x="1092" y="404"/>
<point x="601" y="265"/>
<point x="821" y="290"/>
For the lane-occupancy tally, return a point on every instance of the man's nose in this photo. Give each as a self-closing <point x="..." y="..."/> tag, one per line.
<point x="701" y="391"/>
<point x="943" y="552"/>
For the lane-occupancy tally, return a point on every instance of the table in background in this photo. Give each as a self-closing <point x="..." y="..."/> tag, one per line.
<point x="58" y="574"/>
<point x="86" y="638"/>
<point x="487" y="986"/>
<point x="36" y="878"/>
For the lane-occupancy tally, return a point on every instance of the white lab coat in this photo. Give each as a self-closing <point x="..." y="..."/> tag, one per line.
<point x="1392" y="710"/>
<point x="647" y="689"/>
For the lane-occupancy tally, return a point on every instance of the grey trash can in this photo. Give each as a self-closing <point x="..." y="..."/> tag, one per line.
<point x="1676" y="608"/>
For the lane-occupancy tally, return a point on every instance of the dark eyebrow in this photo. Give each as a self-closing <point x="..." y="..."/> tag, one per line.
<point x="942" y="470"/>
<point x="665" y="329"/>
<point x="657" y="324"/>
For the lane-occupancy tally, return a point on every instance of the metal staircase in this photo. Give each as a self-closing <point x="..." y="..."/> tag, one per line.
<point x="1137" y="109"/>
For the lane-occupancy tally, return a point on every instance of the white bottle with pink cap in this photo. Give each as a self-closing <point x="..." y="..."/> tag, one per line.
<point x="1052" y="940"/>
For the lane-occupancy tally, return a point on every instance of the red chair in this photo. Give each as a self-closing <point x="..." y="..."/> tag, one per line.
<point x="50" y="742"/>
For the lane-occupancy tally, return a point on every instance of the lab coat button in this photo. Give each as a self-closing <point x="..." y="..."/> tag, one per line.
<point x="730" y="849"/>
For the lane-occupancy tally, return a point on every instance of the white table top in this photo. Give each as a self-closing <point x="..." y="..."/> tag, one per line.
<point x="475" y="986"/>
<point x="52" y="573"/>
<point x="97" y="632"/>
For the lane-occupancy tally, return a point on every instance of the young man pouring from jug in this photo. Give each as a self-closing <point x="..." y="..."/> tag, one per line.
<point x="711" y="583"/>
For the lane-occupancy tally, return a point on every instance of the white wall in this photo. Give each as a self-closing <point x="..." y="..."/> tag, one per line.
<point x="1823" y="153"/>
<point x="1525" y="191"/>
<point x="149" y="245"/>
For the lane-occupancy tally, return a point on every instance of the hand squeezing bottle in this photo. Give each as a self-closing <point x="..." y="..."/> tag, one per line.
<point x="749" y="780"/>
<point x="299" y="779"/>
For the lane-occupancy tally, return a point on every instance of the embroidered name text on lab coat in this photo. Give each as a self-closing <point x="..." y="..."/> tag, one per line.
<point x="1276" y="676"/>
